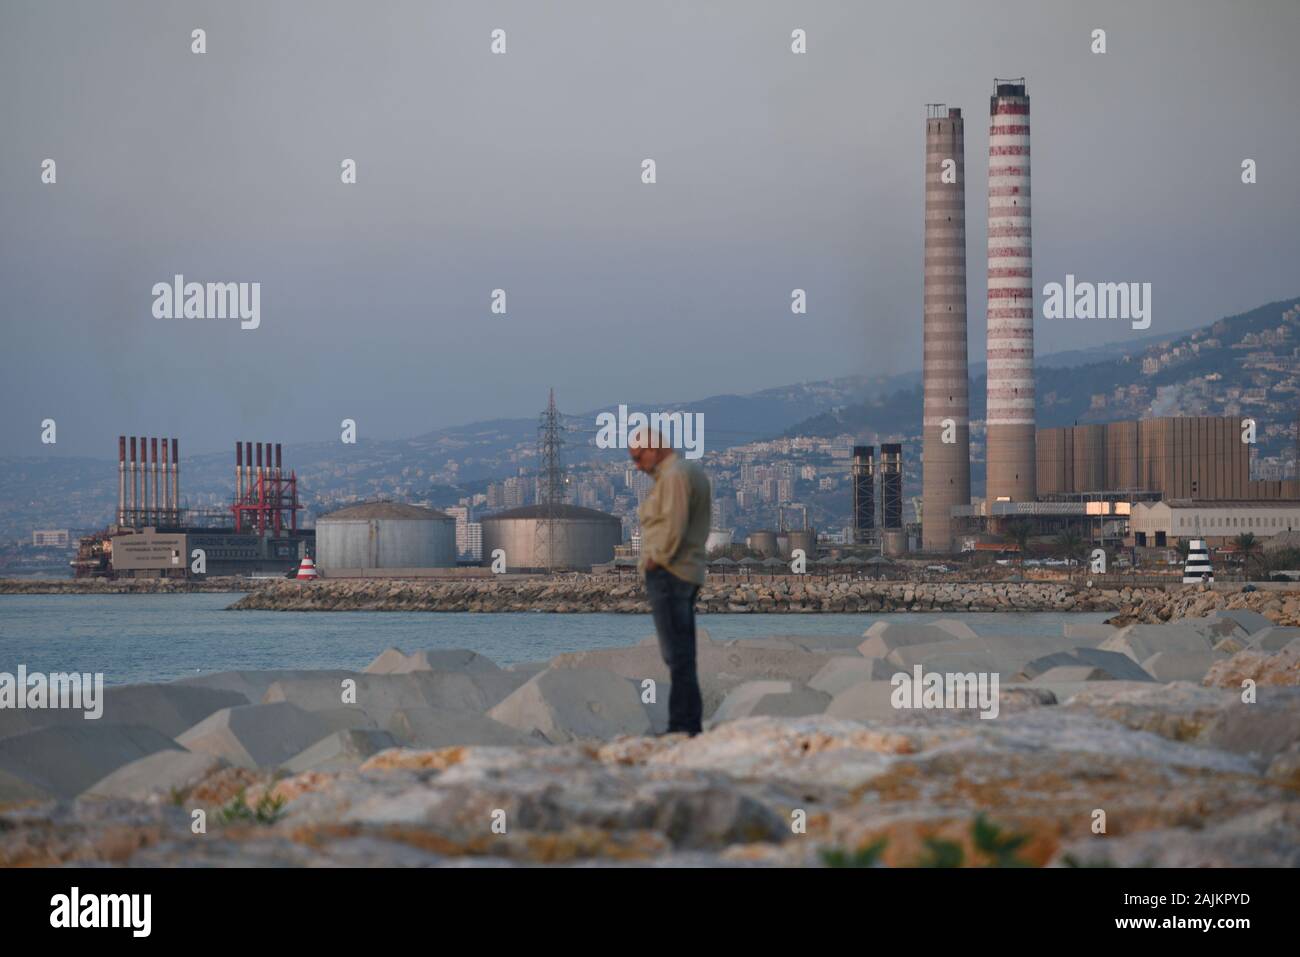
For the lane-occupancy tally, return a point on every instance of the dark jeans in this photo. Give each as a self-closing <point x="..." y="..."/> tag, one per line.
<point x="672" y="602"/>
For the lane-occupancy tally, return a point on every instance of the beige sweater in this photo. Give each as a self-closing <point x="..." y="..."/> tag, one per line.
<point x="675" y="519"/>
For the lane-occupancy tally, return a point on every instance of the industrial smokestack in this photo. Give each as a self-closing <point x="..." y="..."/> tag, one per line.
<point x="121" y="480"/>
<point x="864" y="491"/>
<point x="143" y="517"/>
<point x="239" y="472"/>
<point x="153" y="473"/>
<point x="1010" y="452"/>
<point x="134" y="484"/>
<point x="176" y="482"/>
<point x="891" y="486"/>
<point x="259" y="476"/>
<point x="248" y="471"/>
<point x="945" y="473"/>
<point x="166" y="483"/>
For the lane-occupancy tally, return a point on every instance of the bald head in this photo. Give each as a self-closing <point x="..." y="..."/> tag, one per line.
<point x="646" y="448"/>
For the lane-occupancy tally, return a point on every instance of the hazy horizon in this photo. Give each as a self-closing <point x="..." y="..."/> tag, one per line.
<point x="475" y="172"/>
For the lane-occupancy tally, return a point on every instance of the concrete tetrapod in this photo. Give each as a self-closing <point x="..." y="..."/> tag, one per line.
<point x="566" y="704"/>
<point x="264" y="735"/>
<point x="64" y="760"/>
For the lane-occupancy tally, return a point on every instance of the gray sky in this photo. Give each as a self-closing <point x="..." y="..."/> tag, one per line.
<point x="522" y="172"/>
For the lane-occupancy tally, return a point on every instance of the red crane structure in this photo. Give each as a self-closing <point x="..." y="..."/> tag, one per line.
<point x="265" y="497"/>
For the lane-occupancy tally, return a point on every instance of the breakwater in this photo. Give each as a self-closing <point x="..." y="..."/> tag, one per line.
<point x="585" y="593"/>
<point x="124" y="586"/>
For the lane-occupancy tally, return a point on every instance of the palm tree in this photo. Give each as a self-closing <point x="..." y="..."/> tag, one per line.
<point x="1247" y="546"/>
<point x="1070" y="544"/>
<point x="1019" y="532"/>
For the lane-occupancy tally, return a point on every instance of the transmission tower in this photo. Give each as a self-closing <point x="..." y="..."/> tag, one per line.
<point x="550" y="486"/>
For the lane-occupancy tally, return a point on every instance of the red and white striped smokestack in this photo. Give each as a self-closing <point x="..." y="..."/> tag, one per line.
<point x="166" y="482"/>
<point x="121" y="480"/>
<point x="153" y="473"/>
<point x="248" y="471"/>
<point x="1009" y="449"/>
<point x="258" y="478"/>
<point x="176" y="482"/>
<point x="144" y="481"/>
<point x="134" y="484"/>
<point x="239" y="472"/>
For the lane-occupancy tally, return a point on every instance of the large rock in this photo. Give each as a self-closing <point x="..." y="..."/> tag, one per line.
<point x="64" y="760"/>
<point x="840" y="644"/>
<point x="1262" y="667"/>
<point x="1087" y="633"/>
<point x="884" y="636"/>
<point x="867" y="700"/>
<point x="379" y="695"/>
<point x="842" y="672"/>
<point x="161" y="773"/>
<point x="253" y="684"/>
<point x="393" y="661"/>
<point x="1140" y="642"/>
<point x="564" y="704"/>
<point x="265" y="735"/>
<point x="720" y="667"/>
<point x="1273" y="638"/>
<point x="342" y="749"/>
<point x="1249" y="621"/>
<point x="1180" y="665"/>
<point x="443" y="728"/>
<point x="787" y="699"/>
<point x="1112" y="665"/>
<point x="1209" y="717"/>
<point x="167" y="708"/>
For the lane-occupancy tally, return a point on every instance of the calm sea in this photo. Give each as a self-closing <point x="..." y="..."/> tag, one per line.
<point x="133" y="638"/>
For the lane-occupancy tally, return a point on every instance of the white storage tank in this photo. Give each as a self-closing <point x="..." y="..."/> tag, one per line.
<point x="385" y="535"/>
<point x="564" y="537"/>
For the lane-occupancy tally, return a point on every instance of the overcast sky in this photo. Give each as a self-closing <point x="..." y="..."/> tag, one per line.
<point x="522" y="172"/>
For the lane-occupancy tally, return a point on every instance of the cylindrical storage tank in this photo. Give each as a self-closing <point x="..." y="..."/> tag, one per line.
<point x="718" y="538"/>
<point x="806" y="539"/>
<point x="764" y="544"/>
<point x="537" y="537"/>
<point x="894" y="542"/>
<point x="385" y="535"/>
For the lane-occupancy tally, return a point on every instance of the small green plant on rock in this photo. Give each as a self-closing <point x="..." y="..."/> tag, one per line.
<point x="868" y="856"/>
<point x="268" y="810"/>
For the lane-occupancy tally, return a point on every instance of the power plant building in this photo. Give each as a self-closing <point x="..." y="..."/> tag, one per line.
<point x="549" y="537"/>
<point x="1010" y="440"/>
<point x="384" y="535"/>
<point x="1181" y="457"/>
<point x="945" y="472"/>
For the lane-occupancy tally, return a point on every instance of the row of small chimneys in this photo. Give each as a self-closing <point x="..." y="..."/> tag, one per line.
<point x="249" y="477"/>
<point x="159" y="506"/>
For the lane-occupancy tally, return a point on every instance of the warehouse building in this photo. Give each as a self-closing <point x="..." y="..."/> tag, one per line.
<point x="1158" y="524"/>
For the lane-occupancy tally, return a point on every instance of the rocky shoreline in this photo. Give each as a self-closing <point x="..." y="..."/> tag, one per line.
<point x="124" y="586"/>
<point x="579" y="594"/>
<point x="1105" y="746"/>
<point x="576" y="594"/>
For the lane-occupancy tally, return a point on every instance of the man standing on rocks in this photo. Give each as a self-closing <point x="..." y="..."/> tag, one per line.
<point x="674" y="520"/>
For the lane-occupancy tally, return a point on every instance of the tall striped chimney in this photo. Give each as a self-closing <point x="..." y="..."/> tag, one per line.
<point x="945" y="466"/>
<point x="1009" y="449"/>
